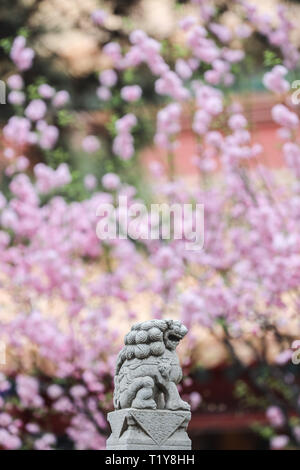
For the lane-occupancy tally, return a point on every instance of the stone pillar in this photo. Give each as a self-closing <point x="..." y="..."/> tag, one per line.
<point x="134" y="429"/>
<point x="149" y="412"/>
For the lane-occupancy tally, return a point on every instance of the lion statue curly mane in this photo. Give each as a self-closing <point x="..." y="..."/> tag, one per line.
<point x="148" y="368"/>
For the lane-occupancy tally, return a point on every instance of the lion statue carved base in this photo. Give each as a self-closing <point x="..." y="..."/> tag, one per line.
<point x="148" y="368"/>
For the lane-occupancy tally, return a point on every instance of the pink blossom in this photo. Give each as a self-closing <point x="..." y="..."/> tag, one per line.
<point x="283" y="116"/>
<point x="170" y="84"/>
<point x="284" y="133"/>
<point x="5" y="419"/>
<point x="126" y="123"/>
<point x="275" y="416"/>
<point x="33" y="428"/>
<point x="193" y="63"/>
<point x="28" y="391"/>
<point x="113" y="50"/>
<point x="201" y="122"/>
<point x="108" y="78"/>
<point x="15" y="82"/>
<point x="18" y="131"/>
<point x="274" y="80"/>
<point x="278" y="37"/>
<point x="221" y="31"/>
<point x="36" y="110"/>
<point x="214" y="138"/>
<point x="16" y="97"/>
<point x="291" y="152"/>
<point x="156" y="169"/>
<point x="168" y="125"/>
<point x="183" y="69"/>
<point x="111" y="181"/>
<point x="78" y="391"/>
<point x="103" y="93"/>
<point x="64" y="405"/>
<point x="237" y="121"/>
<point x="48" y="179"/>
<point x="8" y="441"/>
<point x="9" y="219"/>
<point x="123" y="146"/>
<point x="90" y="181"/>
<point x="233" y="55"/>
<point x="45" y="442"/>
<point x="279" y="442"/>
<point x="46" y="91"/>
<point x="54" y="391"/>
<point x="60" y="99"/>
<point x="22" y="163"/>
<point x="137" y="36"/>
<point x="99" y="17"/>
<point x="48" y="135"/>
<point x="90" y="144"/>
<point x="133" y="57"/>
<point x="131" y="93"/>
<point x="243" y="31"/>
<point x="164" y="258"/>
<point x="213" y="77"/>
<point x="228" y="79"/>
<point x="123" y="142"/>
<point x="187" y="22"/>
<point x="22" y="56"/>
<point x="195" y="400"/>
<point x="9" y="153"/>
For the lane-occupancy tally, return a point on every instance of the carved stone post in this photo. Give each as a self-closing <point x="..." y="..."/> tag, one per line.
<point x="149" y="413"/>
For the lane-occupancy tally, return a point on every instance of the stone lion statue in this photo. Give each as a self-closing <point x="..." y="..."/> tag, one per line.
<point x="148" y="368"/>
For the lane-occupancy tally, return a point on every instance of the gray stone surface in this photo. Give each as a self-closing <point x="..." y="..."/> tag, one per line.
<point x="134" y="429"/>
<point x="149" y="411"/>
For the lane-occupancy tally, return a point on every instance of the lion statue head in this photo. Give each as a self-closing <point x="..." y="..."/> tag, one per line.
<point x="151" y="338"/>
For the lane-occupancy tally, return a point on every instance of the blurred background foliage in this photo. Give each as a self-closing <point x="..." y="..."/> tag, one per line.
<point x="69" y="56"/>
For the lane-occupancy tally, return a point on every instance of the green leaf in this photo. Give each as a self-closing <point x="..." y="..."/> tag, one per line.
<point x="64" y="117"/>
<point x="32" y="92"/>
<point x="23" y="32"/>
<point x="111" y="125"/>
<point x="56" y="156"/>
<point x="128" y="76"/>
<point x="6" y="44"/>
<point x="271" y="59"/>
<point x="264" y="431"/>
<point x="180" y="51"/>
